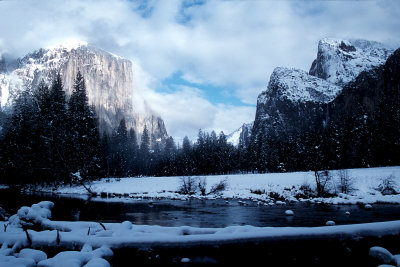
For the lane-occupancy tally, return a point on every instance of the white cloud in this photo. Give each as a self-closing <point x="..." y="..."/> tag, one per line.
<point x="231" y="44"/>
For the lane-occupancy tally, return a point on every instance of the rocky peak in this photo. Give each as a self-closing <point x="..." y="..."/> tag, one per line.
<point x="2" y="65"/>
<point x="109" y="82"/>
<point x="340" y="61"/>
<point x="297" y="85"/>
<point x="241" y="135"/>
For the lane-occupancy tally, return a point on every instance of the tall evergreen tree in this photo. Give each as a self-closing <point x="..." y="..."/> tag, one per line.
<point x="58" y="129"/>
<point x="84" y="140"/>
<point x="144" y="151"/>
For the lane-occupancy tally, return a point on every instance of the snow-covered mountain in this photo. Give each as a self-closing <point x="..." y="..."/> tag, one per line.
<point x="298" y="85"/>
<point x="340" y="61"/>
<point x="294" y="97"/>
<point x="110" y="82"/>
<point x="242" y="134"/>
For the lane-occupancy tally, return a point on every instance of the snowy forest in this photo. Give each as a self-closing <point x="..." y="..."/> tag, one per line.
<point x="49" y="138"/>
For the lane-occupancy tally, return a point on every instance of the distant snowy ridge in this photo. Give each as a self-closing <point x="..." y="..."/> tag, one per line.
<point x="240" y="133"/>
<point x="340" y="61"/>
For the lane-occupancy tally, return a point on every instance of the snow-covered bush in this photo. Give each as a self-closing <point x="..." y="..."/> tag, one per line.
<point x="191" y="185"/>
<point x="202" y="185"/>
<point x="305" y="192"/>
<point x="32" y="217"/>
<point x="387" y="185"/>
<point x="323" y="180"/>
<point x="257" y="191"/>
<point x="219" y="187"/>
<point x="188" y="185"/>
<point x="346" y="182"/>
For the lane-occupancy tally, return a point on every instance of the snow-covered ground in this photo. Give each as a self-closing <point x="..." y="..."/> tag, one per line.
<point x="267" y="188"/>
<point x="96" y="240"/>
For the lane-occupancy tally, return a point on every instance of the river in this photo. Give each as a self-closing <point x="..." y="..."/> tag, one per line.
<point x="197" y="212"/>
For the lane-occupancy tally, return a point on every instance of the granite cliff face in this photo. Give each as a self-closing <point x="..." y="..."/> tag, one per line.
<point x="294" y="95"/>
<point x="295" y="112"/>
<point x="340" y="61"/>
<point x="109" y="82"/>
<point x="241" y="135"/>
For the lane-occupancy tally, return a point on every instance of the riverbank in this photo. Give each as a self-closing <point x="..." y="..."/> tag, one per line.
<point x="122" y="243"/>
<point x="364" y="186"/>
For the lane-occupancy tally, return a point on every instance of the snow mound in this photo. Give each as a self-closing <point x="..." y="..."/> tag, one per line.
<point x="79" y="258"/>
<point x="36" y="255"/>
<point x="330" y="223"/>
<point x="35" y="215"/>
<point x="289" y="213"/>
<point x="381" y="254"/>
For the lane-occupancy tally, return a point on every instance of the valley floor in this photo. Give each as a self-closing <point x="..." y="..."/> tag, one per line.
<point x="365" y="186"/>
<point x="30" y="233"/>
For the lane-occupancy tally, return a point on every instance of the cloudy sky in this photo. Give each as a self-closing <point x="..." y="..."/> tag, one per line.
<point x="201" y="64"/>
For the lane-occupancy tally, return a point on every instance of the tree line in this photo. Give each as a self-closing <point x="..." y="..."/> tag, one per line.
<point x="51" y="139"/>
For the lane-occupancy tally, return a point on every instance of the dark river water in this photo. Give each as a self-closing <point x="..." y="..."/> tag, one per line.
<point x="197" y="213"/>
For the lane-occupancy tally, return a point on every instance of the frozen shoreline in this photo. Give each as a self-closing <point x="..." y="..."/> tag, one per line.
<point x="268" y="189"/>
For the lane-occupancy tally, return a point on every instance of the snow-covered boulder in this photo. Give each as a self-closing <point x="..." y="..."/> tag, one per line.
<point x="330" y="223"/>
<point x="86" y="257"/>
<point x="289" y="213"/>
<point x="381" y="254"/>
<point x="8" y="261"/>
<point x="36" y="255"/>
<point x="368" y="206"/>
<point x="32" y="217"/>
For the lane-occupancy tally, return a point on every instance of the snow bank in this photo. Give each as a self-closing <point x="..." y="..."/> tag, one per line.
<point x="96" y="240"/>
<point x="285" y="186"/>
<point x="33" y="216"/>
<point x="88" y="235"/>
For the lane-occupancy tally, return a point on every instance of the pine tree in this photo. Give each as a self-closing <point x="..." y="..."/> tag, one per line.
<point x="58" y="126"/>
<point x="144" y="151"/>
<point x="121" y="146"/>
<point x="132" y="153"/>
<point x="84" y="140"/>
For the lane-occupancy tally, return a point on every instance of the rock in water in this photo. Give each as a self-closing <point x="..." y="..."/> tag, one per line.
<point x="368" y="206"/>
<point x="330" y="223"/>
<point x="289" y="213"/>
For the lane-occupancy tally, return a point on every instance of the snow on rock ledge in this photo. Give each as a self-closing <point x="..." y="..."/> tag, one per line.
<point x="340" y="61"/>
<point x="298" y="85"/>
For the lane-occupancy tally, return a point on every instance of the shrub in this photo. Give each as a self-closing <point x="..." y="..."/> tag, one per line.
<point x="346" y="182"/>
<point x="257" y="191"/>
<point x="188" y="185"/>
<point x="387" y="186"/>
<point x="202" y="185"/>
<point x="305" y="191"/>
<point x="276" y="196"/>
<point x="322" y="180"/>
<point x="219" y="187"/>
